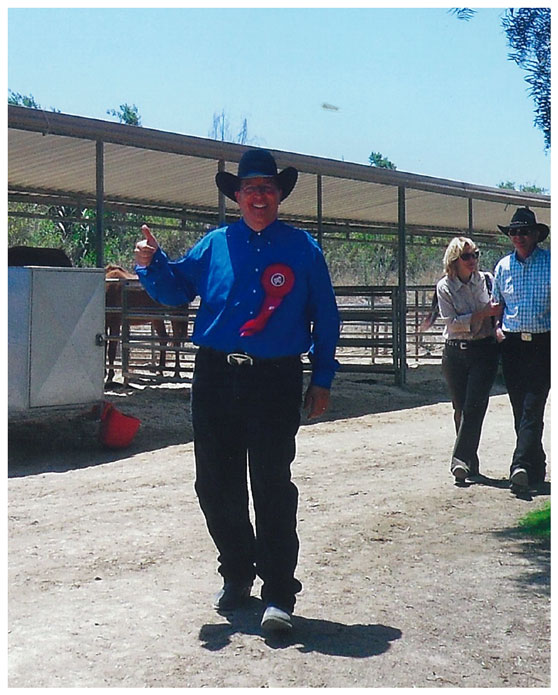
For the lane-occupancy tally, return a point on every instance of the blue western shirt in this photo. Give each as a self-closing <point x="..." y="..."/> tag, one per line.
<point x="224" y="269"/>
<point x="524" y="289"/>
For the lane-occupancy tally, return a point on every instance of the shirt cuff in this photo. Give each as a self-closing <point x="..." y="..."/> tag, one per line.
<point x="324" y="377"/>
<point x="156" y="259"/>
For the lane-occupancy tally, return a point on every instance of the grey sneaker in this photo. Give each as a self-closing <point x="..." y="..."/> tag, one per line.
<point x="276" y="620"/>
<point x="519" y="480"/>
<point x="231" y="596"/>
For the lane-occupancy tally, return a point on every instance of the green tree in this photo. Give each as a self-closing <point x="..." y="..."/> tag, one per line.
<point x="25" y="227"/>
<point x="126" y="114"/>
<point x="523" y="187"/>
<point x="17" y="99"/>
<point x="377" y="159"/>
<point x="528" y="33"/>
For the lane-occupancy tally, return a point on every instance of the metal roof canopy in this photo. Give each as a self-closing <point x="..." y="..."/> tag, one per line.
<point x="55" y="158"/>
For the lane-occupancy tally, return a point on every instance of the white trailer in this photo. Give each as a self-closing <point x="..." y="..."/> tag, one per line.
<point x="56" y="325"/>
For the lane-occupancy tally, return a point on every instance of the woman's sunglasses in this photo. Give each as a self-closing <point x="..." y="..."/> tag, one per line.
<point x="469" y="256"/>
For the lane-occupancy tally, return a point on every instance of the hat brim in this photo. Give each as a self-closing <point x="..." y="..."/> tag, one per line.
<point x="543" y="230"/>
<point x="229" y="184"/>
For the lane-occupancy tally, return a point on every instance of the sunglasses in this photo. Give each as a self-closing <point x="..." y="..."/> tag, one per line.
<point x="263" y="190"/>
<point x="519" y="232"/>
<point x="469" y="256"/>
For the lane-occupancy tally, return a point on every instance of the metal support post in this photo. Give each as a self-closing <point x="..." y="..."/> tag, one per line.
<point x="125" y="332"/>
<point x="221" y="197"/>
<point x="402" y="263"/>
<point x="100" y="193"/>
<point x="320" y="209"/>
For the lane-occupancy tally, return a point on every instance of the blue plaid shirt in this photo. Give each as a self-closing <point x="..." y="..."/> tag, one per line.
<point x="524" y="289"/>
<point x="224" y="269"/>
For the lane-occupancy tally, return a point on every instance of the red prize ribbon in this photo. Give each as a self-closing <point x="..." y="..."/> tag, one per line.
<point x="277" y="281"/>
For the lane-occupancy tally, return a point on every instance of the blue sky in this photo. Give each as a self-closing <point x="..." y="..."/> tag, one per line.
<point x="435" y="95"/>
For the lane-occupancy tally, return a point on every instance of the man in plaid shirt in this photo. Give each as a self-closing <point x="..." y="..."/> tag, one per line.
<point x="522" y="288"/>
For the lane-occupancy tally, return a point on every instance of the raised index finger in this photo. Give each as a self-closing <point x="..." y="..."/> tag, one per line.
<point x="148" y="236"/>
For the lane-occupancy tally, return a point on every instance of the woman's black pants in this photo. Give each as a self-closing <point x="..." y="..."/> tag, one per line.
<point x="245" y="419"/>
<point x="469" y="369"/>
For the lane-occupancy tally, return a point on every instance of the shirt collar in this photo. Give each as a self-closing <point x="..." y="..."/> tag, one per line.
<point x="529" y="258"/>
<point x="267" y="233"/>
<point x="456" y="284"/>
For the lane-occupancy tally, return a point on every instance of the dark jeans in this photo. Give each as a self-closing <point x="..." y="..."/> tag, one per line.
<point x="526" y="368"/>
<point x="469" y="375"/>
<point x="247" y="417"/>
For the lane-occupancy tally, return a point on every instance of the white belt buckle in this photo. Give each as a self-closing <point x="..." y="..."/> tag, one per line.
<point x="527" y="337"/>
<point x="239" y="358"/>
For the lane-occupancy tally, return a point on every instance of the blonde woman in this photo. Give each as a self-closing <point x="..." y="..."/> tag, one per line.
<point x="470" y="357"/>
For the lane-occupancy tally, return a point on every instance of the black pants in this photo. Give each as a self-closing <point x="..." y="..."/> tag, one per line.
<point x="469" y="374"/>
<point x="247" y="417"/>
<point x="526" y="368"/>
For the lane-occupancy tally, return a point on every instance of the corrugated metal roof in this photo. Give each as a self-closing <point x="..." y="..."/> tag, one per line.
<point x="55" y="154"/>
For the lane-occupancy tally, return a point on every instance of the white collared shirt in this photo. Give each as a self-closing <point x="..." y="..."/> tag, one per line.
<point x="458" y="301"/>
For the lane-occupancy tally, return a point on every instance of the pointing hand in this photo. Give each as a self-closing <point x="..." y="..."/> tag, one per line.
<point x="146" y="247"/>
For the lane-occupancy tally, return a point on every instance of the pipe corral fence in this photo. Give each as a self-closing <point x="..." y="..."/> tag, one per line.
<point x="370" y="340"/>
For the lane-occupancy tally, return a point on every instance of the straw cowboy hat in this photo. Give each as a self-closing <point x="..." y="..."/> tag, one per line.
<point x="256" y="163"/>
<point x="524" y="218"/>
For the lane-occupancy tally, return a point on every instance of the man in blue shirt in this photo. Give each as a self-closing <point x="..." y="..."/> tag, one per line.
<point x="266" y="298"/>
<point x="522" y="287"/>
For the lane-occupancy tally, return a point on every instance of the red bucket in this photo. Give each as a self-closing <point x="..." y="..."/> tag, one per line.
<point x="117" y="430"/>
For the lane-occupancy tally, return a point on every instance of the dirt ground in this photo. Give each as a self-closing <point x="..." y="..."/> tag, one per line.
<point x="408" y="579"/>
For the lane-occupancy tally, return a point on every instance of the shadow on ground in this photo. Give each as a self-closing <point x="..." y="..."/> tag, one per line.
<point x="308" y="634"/>
<point x="61" y="443"/>
<point x="355" y="395"/>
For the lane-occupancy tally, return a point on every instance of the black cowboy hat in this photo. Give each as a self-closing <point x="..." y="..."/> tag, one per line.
<point x="256" y="163"/>
<point x="524" y="218"/>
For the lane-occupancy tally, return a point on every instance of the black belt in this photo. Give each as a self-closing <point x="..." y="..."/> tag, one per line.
<point x="242" y="359"/>
<point x="466" y="344"/>
<point x="526" y="337"/>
